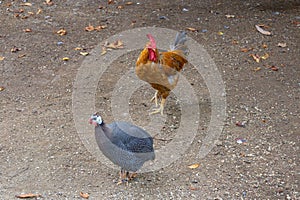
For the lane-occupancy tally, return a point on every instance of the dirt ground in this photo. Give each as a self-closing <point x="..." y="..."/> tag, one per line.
<point x="41" y="152"/>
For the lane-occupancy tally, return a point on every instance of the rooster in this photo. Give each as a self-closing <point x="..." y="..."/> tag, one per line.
<point x="160" y="69"/>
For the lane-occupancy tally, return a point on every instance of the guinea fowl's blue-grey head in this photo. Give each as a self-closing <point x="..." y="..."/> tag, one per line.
<point x="95" y="119"/>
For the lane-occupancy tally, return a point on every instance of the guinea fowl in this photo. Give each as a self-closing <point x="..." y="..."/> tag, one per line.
<point x="125" y="144"/>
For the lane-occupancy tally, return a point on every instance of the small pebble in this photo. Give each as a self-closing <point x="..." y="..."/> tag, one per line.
<point x="226" y="27"/>
<point x="204" y="30"/>
<point x="185" y="10"/>
<point x="60" y="43"/>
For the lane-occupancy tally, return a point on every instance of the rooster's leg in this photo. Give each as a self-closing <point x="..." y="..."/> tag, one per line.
<point x="154" y="98"/>
<point x="161" y="108"/>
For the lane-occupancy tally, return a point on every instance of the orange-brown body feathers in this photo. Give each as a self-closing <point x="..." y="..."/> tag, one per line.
<point x="160" y="69"/>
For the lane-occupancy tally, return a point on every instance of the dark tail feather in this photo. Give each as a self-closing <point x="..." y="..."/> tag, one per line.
<point x="179" y="43"/>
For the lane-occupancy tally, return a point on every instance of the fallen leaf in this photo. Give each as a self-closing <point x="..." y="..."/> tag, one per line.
<point x="1" y="58"/>
<point x="266" y="56"/>
<point x="191" y="29"/>
<point x="220" y="33"/>
<point x="194" y="166"/>
<point x="193" y="188"/>
<point x="116" y="45"/>
<point x="49" y="2"/>
<point x="15" y="49"/>
<point x="22" y="55"/>
<point x="110" y="1"/>
<point x="246" y="49"/>
<point x="31" y="13"/>
<point x="39" y="11"/>
<point x="128" y="3"/>
<point x="24" y="17"/>
<point x="120" y="7"/>
<point x="84" y="53"/>
<point x="241" y="124"/>
<point x="27" y="30"/>
<point x="265" y="46"/>
<point x="2" y="88"/>
<point x="98" y="28"/>
<point x="257" y="69"/>
<point x="26" y="4"/>
<point x="229" y="16"/>
<point x="255" y="57"/>
<point x="274" y="68"/>
<point x="234" y="42"/>
<point x="104" y="51"/>
<point x="62" y="32"/>
<point x="262" y="31"/>
<point x="281" y="44"/>
<point x="89" y="28"/>
<point x="65" y="58"/>
<point x="29" y="195"/>
<point x="78" y="48"/>
<point x="84" y="195"/>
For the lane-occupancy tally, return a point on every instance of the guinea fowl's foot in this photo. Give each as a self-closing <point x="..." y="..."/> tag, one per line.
<point x="154" y="98"/>
<point x="132" y="176"/>
<point x="123" y="177"/>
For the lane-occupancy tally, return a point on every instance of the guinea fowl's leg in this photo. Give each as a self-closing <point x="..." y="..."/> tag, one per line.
<point x="123" y="177"/>
<point x="132" y="175"/>
<point x="161" y="107"/>
<point x="154" y="98"/>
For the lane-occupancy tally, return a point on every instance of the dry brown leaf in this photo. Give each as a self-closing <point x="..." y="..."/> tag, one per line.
<point x="104" y="51"/>
<point x="281" y="44"/>
<point x="29" y="195"/>
<point x="262" y="31"/>
<point x="234" y="42"/>
<point x="120" y="7"/>
<point x="193" y="188"/>
<point x="27" y="30"/>
<point x="84" y="195"/>
<point x="1" y="58"/>
<point x="265" y="46"/>
<point x="65" y="58"/>
<point x="255" y="57"/>
<point x="84" y="53"/>
<point x="21" y="56"/>
<point x="194" y="166"/>
<point x="229" y="16"/>
<point x="191" y="29"/>
<point x="30" y="13"/>
<point x="26" y="4"/>
<point x="274" y="68"/>
<point x="257" y="69"/>
<point x="49" y="2"/>
<point x="116" y="45"/>
<point x="15" y="49"/>
<point x="110" y="1"/>
<point x="39" y="11"/>
<point x="246" y="49"/>
<point x="78" y="48"/>
<point x="62" y="32"/>
<point x="129" y="3"/>
<point x="98" y="28"/>
<point x="2" y="88"/>
<point x="89" y="28"/>
<point x="266" y="56"/>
